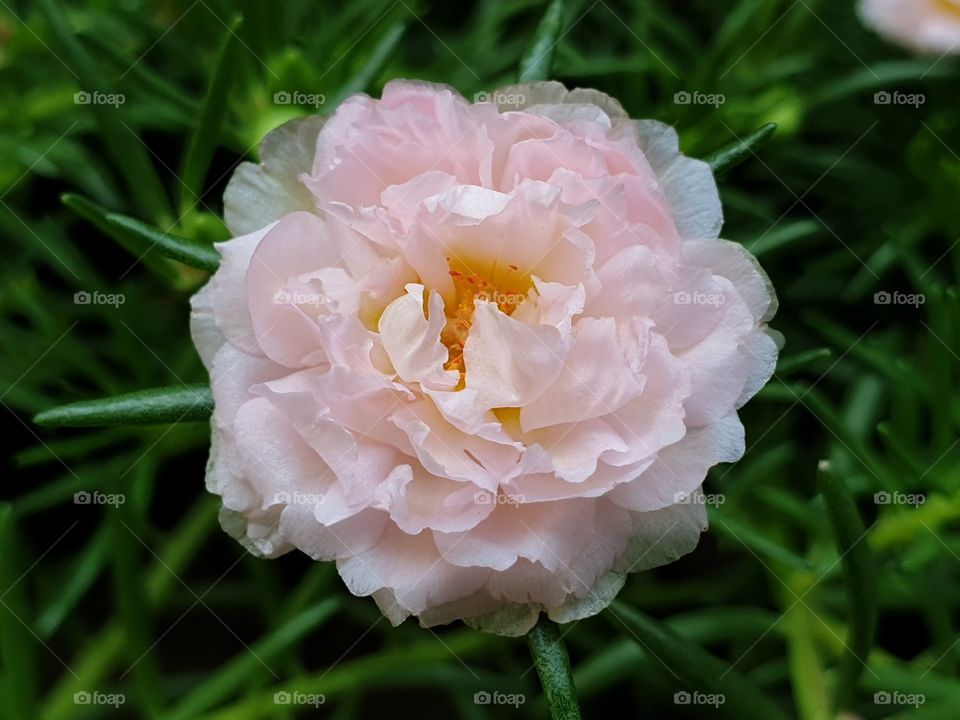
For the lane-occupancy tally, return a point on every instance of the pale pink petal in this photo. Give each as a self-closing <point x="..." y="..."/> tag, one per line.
<point x="258" y="195"/>
<point x="597" y="379"/>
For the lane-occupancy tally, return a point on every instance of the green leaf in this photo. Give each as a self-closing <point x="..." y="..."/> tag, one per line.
<point x="859" y="573"/>
<point x="795" y="363"/>
<point x="139" y="238"/>
<point x="199" y="256"/>
<point x="85" y="568"/>
<point x="206" y="137"/>
<point x="382" y="51"/>
<point x="782" y="236"/>
<point x="126" y="148"/>
<point x="729" y="156"/>
<point x="144" y="407"/>
<point x="755" y="540"/>
<point x="695" y="667"/>
<point x="535" y="63"/>
<point x="17" y="648"/>
<point x="553" y="666"/>
<point x="232" y="676"/>
<point x="97" y="215"/>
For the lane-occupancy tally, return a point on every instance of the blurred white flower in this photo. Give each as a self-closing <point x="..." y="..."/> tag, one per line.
<point x="924" y="26"/>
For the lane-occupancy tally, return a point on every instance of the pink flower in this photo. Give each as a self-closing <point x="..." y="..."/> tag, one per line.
<point x="925" y="26"/>
<point x="482" y="357"/>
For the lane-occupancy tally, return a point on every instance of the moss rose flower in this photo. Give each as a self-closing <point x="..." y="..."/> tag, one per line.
<point x="481" y="355"/>
<point x="924" y="26"/>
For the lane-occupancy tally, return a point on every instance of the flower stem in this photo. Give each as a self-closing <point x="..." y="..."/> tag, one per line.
<point x="553" y="666"/>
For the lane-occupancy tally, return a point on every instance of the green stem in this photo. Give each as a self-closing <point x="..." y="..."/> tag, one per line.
<point x="553" y="666"/>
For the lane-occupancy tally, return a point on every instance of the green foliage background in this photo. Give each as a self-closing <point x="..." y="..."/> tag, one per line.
<point x="850" y="198"/>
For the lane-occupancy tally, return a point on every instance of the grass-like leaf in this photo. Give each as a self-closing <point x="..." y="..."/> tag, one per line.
<point x="139" y="238"/>
<point x="695" y="667"/>
<point x="535" y="63"/>
<point x="204" y="257"/>
<point x="126" y="148"/>
<point x="247" y="663"/>
<point x="144" y="407"/>
<point x="795" y="363"/>
<point x="16" y="645"/>
<point x="729" y="156"/>
<point x="206" y="137"/>
<point x="381" y="52"/>
<point x="859" y="572"/>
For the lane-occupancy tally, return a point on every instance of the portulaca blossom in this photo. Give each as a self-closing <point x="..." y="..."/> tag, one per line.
<point x="480" y="356"/>
<point x="924" y="26"/>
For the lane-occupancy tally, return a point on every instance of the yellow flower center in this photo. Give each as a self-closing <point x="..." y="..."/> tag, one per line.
<point x="504" y="285"/>
<point x="950" y="7"/>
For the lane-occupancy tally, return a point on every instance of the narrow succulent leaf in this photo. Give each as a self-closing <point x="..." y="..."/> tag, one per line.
<point x="381" y="53"/>
<point x="17" y="647"/>
<point x="795" y="363"/>
<point x="729" y="156"/>
<point x="535" y="63"/>
<point x="144" y="407"/>
<point x="97" y="215"/>
<point x="204" y="257"/>
<point x="695" y="667"/>
<point x="126" y="148"/>
<point x="234" y="674"/>
<point x="859" y="574"/>
<point x="206" y="137"/>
